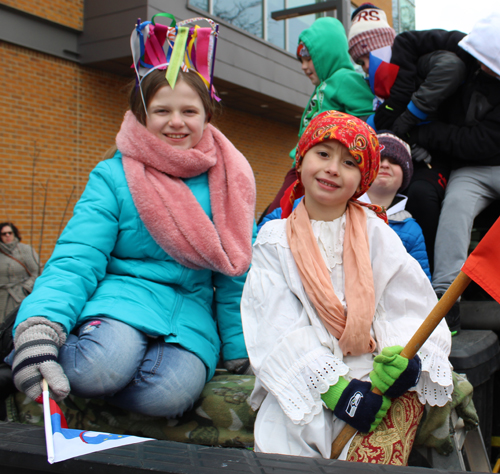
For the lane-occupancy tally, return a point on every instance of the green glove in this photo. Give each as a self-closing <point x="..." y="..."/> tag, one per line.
<point x="393" y="374"/>
<point x="331" y="398"/>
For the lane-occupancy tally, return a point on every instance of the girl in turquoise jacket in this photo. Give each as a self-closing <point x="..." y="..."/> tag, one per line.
<point x="143" y="289"/>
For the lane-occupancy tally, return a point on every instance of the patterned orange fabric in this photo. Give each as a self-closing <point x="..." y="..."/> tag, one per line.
<point x="357" y="136"/>
<point x="392" y="440"/>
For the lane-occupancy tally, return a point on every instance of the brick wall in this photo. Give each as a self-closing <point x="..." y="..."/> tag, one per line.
<point x="68" y="116"/>
<point x="65" y="12"/>
<point x="265" y="144"/>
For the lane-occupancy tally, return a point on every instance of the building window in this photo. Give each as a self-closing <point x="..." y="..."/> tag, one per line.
<point x="276" y="30"/>
<point x="403" y="14"/>
<point x="245" y="14"/>
<point x="254" y="16"/>
<point x="295" y="26"/>
<point x="203" y="4"/>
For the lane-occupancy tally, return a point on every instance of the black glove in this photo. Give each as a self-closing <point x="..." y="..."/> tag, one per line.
<point x="404" y="123"/>
<point x="420" y="154"/>
<point x="239" y="366"/>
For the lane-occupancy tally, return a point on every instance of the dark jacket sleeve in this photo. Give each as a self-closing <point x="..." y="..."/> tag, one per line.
<point x="465" y="145"/>
<point x="407" y="49"/>
<point x="443" y="71"/>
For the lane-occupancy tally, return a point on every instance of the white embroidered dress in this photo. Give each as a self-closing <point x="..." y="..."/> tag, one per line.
<point x="296" y="359"/>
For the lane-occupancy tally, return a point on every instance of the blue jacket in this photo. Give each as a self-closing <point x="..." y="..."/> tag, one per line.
<point x="413" y="239"/>
<point x="107" y="263"/>
<point x="408" y="230"/>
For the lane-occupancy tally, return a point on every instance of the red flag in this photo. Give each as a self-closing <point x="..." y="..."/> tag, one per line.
<point x="483" y="264"/>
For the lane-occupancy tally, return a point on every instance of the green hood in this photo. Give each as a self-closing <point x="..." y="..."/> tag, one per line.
<point x="326" y="42"/>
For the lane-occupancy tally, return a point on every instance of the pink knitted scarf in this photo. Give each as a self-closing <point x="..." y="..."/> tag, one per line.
<point x="170" y="211"/>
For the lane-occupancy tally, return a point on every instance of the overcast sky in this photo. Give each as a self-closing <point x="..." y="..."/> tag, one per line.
<point x="452" y="14"/>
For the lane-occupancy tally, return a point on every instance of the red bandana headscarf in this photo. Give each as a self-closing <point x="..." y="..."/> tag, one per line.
<point x="359" y="138"/>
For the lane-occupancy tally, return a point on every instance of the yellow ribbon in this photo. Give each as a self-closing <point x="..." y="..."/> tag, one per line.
<point x="177" y="56"/>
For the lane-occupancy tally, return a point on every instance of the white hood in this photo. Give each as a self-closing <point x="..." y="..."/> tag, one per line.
<point x="483" y="42"/>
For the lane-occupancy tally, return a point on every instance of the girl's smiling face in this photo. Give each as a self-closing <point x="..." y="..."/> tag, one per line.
<point x="330" y="177"/>
<point x="177" y="116"/>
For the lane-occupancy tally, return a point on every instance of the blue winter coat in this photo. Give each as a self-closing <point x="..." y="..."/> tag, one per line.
<point x="413" y="239"/>
<point x="106" y="263"/>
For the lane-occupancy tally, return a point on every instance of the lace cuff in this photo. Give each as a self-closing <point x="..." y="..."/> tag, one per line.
<point x="299" y="390"/>
<point x="436" y="384"/>
<point x="431" y="392"/>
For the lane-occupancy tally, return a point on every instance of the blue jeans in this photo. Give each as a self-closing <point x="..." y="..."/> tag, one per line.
<point x="111" y="360"/>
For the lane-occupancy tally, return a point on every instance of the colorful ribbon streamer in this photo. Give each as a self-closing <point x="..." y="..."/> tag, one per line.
<point x="180" y="45"/>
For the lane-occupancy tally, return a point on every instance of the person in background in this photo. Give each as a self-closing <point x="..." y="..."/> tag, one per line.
<point x="373" y="45"/>
<point x="19" y="268"/>
<point x="411" y="82"/>
<point x="467" y="136"/>
<point x="322" y="52"/>
<point x="396" y="169"/>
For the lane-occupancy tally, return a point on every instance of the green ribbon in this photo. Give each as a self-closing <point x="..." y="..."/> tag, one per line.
<point x="177" y="55"/>
<point x="168" y="15"/>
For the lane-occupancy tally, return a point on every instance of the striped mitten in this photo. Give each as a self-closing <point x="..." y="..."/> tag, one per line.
<point x="37" y="341"/>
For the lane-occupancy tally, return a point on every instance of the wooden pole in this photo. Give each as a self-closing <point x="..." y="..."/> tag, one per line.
<point x="415" y="343"/>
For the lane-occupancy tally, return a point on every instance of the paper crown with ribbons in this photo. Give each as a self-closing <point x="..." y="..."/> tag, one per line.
<point x="181" y="45"/>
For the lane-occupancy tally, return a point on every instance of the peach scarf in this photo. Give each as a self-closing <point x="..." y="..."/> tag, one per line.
<point x="351" y="329"/>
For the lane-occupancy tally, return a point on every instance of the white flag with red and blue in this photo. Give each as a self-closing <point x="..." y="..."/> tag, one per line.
<point x="65" y="443"/>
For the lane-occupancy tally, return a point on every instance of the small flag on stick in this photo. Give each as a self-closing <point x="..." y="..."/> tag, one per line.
<point x="483" y="264"/>
<point x="65" y="443"/>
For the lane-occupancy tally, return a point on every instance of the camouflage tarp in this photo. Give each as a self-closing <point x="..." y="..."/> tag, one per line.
<point x="221" y="417"/>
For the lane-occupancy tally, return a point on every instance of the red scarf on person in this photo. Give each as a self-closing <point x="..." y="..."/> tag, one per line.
<point x="154" y="171"/>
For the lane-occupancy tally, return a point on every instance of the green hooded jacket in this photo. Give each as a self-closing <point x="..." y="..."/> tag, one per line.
<point x="341" y="87"/>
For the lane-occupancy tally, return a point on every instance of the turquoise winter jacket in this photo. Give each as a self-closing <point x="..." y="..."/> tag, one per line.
<point x="106" y="263"/>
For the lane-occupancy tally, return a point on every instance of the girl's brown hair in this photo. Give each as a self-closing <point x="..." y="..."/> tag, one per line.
<point x="155" y="80"/>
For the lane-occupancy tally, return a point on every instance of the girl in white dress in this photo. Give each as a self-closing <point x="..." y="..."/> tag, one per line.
<point x="331" y="297"/>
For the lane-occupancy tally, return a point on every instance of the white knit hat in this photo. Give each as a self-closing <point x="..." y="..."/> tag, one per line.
<point x="369" y="31"/>
<point x="483" y="42"/>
